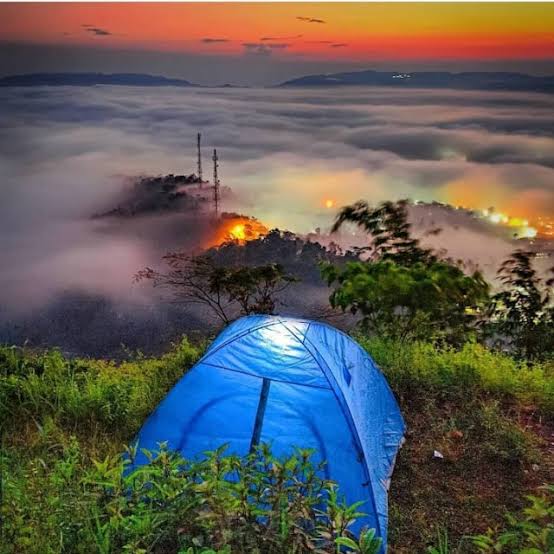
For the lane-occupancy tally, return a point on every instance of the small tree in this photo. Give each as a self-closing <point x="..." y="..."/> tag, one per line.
<point x="419" y="301"/>
<point x="523" y="312"/>
<point x="390" y="231"/>
<point x="226" y="290"/>
<point x="402" y="290"/>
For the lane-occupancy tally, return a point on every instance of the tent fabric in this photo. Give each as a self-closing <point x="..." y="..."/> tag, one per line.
<point x="289" y="382"/>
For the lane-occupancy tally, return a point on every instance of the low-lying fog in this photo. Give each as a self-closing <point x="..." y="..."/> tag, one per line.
<point x="66" y="153"/>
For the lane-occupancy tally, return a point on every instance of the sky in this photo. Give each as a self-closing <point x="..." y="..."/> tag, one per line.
<point x="265" y="43"/>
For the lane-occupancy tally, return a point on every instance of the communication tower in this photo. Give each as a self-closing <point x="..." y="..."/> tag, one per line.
<point x="198" y="137"/>
<point x="216" y="184"/>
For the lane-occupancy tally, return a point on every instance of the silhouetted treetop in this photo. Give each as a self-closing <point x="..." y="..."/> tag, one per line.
<point x="390" y="231"/>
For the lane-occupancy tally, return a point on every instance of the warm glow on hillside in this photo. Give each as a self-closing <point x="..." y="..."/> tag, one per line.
<point x="238" y="232"/>
<point x="237" y="228"/>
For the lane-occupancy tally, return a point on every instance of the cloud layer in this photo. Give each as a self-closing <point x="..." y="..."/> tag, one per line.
<point x="374" y="143"/>
<point x="66" y="154"/>
<point x="263" y="48"/>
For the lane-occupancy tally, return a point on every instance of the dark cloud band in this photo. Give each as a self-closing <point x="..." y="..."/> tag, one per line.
<point x="209" y="40"/>
<point x="97" y="31"/>
<point x="310" y="19"/>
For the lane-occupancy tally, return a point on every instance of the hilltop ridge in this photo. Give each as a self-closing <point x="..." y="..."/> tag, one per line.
<point x="476" y="80"/>
<point x="91" y="79"/>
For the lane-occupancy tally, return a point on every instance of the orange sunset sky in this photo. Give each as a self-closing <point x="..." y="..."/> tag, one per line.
<point x="324" y="31"/>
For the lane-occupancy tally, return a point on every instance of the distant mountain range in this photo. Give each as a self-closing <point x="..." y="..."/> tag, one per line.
<point x="426" y="79"/>
<point x="90" y="79"/>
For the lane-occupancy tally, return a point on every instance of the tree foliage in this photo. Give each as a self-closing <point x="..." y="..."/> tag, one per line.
<point x="523" y="312"/>
<point x="296" y="255"/>
<point x="390" y="231"/>
<point x="226" y="290"/>
<point x="402" y="290"/>
<point x="417" y="301"/>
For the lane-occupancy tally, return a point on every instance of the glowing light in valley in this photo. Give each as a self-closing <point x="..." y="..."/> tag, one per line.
<point x="529" y="232"/>
<point x="238" y="232"/>
<point x="522" y="227"/>
<point x="517" y="222"/>
<point x="329" y="203"/>
<point x="498" y="218"/>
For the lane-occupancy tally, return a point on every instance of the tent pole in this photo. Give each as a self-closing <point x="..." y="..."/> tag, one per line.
<point x="260" y="415"/>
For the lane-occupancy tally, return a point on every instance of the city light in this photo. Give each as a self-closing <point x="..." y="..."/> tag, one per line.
<point x="543" y="227"/>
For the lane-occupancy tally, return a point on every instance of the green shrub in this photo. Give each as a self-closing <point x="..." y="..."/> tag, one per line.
<point x="420" y="300"/>
<point x="531" y="532"/>
<point x="256" y="503"/>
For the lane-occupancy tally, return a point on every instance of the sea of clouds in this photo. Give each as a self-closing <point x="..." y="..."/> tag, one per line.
<point x="67" y="152"/>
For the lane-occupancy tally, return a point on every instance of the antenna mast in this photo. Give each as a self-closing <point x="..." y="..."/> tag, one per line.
<point x="198" y="136"/>
<point x="216" y="184"/>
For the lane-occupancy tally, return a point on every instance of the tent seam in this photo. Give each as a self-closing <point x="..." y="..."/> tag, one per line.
<point x="349" y="420"/>
<point x="270" y="378"/>
<point x="239" y="336"/>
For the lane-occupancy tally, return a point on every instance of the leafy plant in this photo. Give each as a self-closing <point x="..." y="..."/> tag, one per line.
<point x="532" y="532"/>
<point x="523" y="312"/>
<point x="388" y="226"/>
<point x="368" y="543"/>
<point x="442" y="546"/>
<point x="220" y="503"/>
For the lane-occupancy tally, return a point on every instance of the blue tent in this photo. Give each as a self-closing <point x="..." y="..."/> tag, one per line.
<point x="289" y="382"/>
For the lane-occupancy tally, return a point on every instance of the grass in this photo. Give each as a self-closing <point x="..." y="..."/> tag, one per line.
<point x="489" y="415"/>
<point x="85" y="395"/>
<point x="65" y="422"/>
<point x="423" y="371"/>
